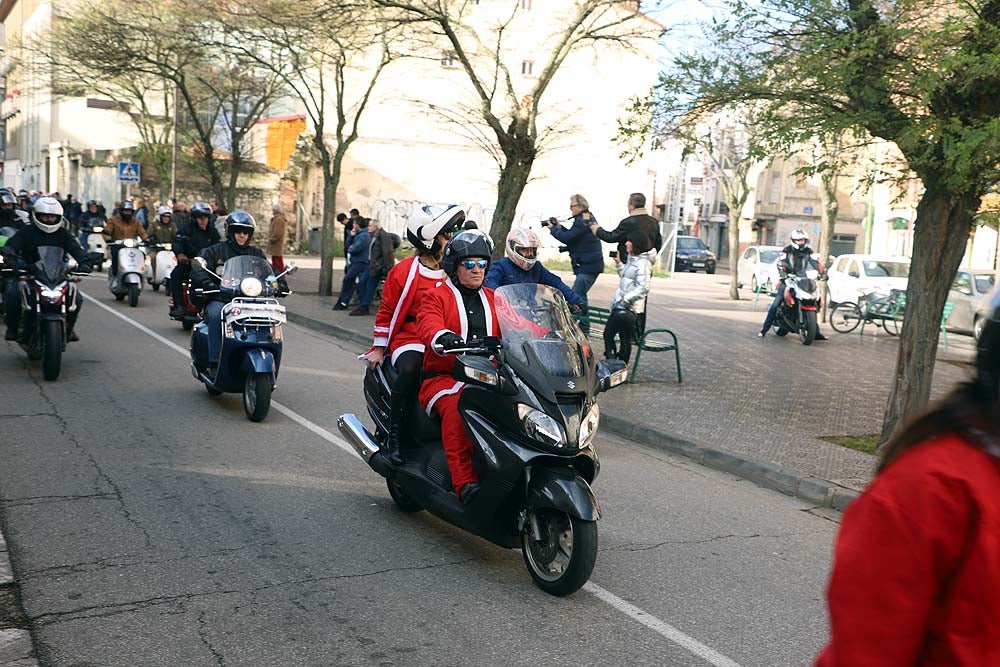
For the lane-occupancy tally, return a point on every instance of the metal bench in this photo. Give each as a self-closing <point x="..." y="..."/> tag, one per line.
<point x="644" y="340"/>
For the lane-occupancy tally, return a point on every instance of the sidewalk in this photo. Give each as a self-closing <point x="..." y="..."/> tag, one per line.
<point x="755" y="407"/>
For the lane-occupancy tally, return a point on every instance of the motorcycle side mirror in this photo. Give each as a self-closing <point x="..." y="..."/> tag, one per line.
<point x="611" y="373"/>
<point x="292" y="268"/>
<point x="200" y="262"/>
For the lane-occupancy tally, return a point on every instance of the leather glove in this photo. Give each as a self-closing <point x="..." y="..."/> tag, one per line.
<point x="576" y="309"/>
<point x="84" y="267"/>
<point x="450" y="341"/>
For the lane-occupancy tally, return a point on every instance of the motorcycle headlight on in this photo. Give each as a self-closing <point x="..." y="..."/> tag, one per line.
<point x="541" y="426"/>
<point x="251" y="287"/>
<point x="588" y="427"/>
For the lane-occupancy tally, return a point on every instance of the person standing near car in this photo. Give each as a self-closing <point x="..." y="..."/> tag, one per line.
<point x="638" y="219"/>
<point x="584" y="248"/>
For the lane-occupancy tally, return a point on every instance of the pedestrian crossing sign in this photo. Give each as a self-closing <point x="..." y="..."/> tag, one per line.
<point x="128" y="172"/>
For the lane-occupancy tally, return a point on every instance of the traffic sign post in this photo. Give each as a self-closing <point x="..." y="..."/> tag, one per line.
<point x="128" y="173"/>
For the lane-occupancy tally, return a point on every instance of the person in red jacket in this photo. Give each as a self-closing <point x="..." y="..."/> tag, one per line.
<point x="452" y="315"/>
<point x="916" y="575"/>
<point x="396" y="320"/>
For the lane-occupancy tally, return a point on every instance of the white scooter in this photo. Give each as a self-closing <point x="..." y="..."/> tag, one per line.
<point x="96" y="249"/>
<point x="161" y="265"/>
<point x="131" y="270"/>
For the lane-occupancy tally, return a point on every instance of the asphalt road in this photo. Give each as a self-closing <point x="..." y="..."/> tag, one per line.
<point x="152" y="524"/>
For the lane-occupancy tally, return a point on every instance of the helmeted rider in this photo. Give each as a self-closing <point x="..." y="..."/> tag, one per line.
<point x="91" y="217"/>
<point x="521" y="265"/>
<point x="406" y="284"/>
<point x="457" y="312"/>
<point x="191" y="238"/>
<point x="120" y="227"/>
<point x="794" y="259"/>
<point x="48" y="230"/>
<point x="163" y="229"/>
<point x="10" y="214"/>
<point x="240" y="227"/>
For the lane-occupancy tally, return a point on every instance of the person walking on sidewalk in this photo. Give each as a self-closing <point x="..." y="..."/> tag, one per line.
<point x="357" y="264"/>
<point x="276" y="238"/>
<point x="584" y="249"/>
<point x="629" y="302"/>
<point x="381" y="257"/>
<point x="638" y="219"/>
<point x="916" y="572"/>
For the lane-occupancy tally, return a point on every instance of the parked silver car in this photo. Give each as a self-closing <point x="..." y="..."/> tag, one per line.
<point x="984" y="288"/>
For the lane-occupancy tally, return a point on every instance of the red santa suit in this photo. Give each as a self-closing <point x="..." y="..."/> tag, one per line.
<point x="443" y="311"/>
<point x="403" y="291"/>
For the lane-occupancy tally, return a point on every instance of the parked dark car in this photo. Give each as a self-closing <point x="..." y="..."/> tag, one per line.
<point x="693" y="255"/>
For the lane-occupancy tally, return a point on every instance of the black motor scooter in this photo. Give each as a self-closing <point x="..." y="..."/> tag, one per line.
<point x="529" y="405"/>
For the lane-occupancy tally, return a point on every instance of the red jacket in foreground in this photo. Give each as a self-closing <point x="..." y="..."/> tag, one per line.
<point x="916" y="576"/>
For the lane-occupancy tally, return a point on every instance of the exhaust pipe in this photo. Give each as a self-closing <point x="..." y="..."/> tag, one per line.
<point x="359" y="437"/>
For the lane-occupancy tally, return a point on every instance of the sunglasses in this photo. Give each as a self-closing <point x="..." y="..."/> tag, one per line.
<point x="470" y="264"/>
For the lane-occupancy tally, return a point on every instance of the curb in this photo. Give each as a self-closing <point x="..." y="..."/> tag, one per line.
<point x="818" y="491"/>
<point x="16" y="647"/>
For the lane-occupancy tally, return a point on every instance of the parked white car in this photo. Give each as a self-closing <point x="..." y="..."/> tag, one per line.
<point x="758" y="266"/>
<point x="970" y="290"/>
<point x="853" y="276"/>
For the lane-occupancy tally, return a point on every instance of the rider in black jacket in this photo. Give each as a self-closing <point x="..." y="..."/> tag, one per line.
<point x="47" y="230"/>
<point x="795" y="259"/>
<point x="190" y="240"/>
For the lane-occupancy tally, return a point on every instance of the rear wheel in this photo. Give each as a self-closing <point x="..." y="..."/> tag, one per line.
<point x="52" y="349"/>
<point x="133" y="295"/>
<point x="257" y="396"/>
<point x="845" y="318"/>
<point x="402" y="500"/>
<point x="562" y="560"/>
<point x="809" y="327"/>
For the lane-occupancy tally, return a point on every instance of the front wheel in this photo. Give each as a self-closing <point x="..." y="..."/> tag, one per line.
<point x="846" y="317"/>
<point x="133" y="295"/>
<point x="809" y="327"/>
<point x="257" y="396"/>
<point x="52" y="353"/>
<point x="562" y="560"/>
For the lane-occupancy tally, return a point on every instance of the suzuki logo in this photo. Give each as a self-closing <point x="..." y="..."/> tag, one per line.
<point x="571" y="384"/>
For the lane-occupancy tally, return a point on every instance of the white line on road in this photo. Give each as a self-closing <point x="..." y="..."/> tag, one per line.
<point x="658" y="626"/>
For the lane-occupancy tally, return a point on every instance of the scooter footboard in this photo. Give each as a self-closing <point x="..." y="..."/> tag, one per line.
<point x="259" y="361"/>
<point x="562" y="489"/>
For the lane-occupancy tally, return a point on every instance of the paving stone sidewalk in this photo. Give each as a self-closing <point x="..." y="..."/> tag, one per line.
<point x="752" y="406"/>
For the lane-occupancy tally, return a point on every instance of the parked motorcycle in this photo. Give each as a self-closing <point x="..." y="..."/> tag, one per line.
<point x="161" y="264"/>
<point x="191" y="314"/>
<point x="250" y="355"/>
<point x="798" y="310"/>
<point x="96" y="248"/>
<point x="529" y="404"/>
<point x="131" y="270"/>
<point x="47" y="289"/>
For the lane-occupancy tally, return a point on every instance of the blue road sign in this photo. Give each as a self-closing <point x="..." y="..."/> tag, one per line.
<point x="128" y="172"/>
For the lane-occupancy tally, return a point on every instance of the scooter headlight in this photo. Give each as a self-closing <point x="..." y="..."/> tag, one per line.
<point x="541" y="426"/>
<point x="251" y="287"/>
<point x="588" y="427"/>
<point x="129" y="243"/>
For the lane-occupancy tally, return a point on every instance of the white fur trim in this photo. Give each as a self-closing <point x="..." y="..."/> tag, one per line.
<point x="381" y="341"/>
<point x="410" y="277"/>
<point x="455" y="388"/>
<point x="412" y="347"/>
<point x="429" y="273"/>
<point x="460" y="303"/>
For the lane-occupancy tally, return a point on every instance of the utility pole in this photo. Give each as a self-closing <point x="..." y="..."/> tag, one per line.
<point x="173" y="152"/>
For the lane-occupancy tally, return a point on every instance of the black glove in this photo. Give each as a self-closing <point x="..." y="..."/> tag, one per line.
<point x="450" y="341"/>
<point x="84" y="267"/>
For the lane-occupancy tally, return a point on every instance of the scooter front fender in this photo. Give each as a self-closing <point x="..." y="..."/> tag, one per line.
<point x="259" y="361"/>
<point x="132" y="278"/>
<point x="562" y="489"/>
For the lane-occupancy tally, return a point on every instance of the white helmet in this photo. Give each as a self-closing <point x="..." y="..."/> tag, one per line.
<point x="798" y="235"/>
<point x="164" y="210"/>
<point x="424" y="226"/>
<point x="518" y="241"/>
<point x="48" y="206"/>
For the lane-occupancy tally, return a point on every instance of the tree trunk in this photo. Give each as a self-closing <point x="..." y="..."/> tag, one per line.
<point x="831" y="207"/>
<point x="940" y="235"/>
<point x="513" y="179"/>
<point x="734" y="252"/>
<point x="331" y="178"/>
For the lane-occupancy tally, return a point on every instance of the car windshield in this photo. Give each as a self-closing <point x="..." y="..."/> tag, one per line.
<point x="768" y="256"/>
<point x="984" y="282"/>
<point x="690" y="243"/>
<point x="535" y="321"/>
<point x="244" y="266"/>
<point x="884" y="269"/>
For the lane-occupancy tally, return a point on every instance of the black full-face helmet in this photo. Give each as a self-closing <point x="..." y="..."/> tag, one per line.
<point x="240" y="221"/>
<point x="466" y="244"/>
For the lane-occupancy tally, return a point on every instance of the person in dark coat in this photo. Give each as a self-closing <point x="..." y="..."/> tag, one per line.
<point x="381" y="258"/>
<point x="638" y="220"/>
<point x="357" y="264"/>
<point x="584" y="249"/>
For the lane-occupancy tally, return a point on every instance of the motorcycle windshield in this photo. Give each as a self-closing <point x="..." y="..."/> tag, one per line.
<point x="535" y="321"/>
<point x="50" y="267"/>
<point x="245" y="266"/>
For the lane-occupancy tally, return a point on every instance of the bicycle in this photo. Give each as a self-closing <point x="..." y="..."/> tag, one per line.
<point x="879" y="309"/>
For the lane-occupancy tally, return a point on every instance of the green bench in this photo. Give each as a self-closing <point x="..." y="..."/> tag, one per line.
<point x="644" y="340"/>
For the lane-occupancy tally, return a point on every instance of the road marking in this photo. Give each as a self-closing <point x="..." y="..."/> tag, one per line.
<point x="658" y="626"/>
<point x="663" y="628"/>
<point x="288" y="412"/>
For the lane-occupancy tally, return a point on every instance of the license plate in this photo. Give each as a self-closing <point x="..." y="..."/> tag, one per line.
<point x="697" y="263"/>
